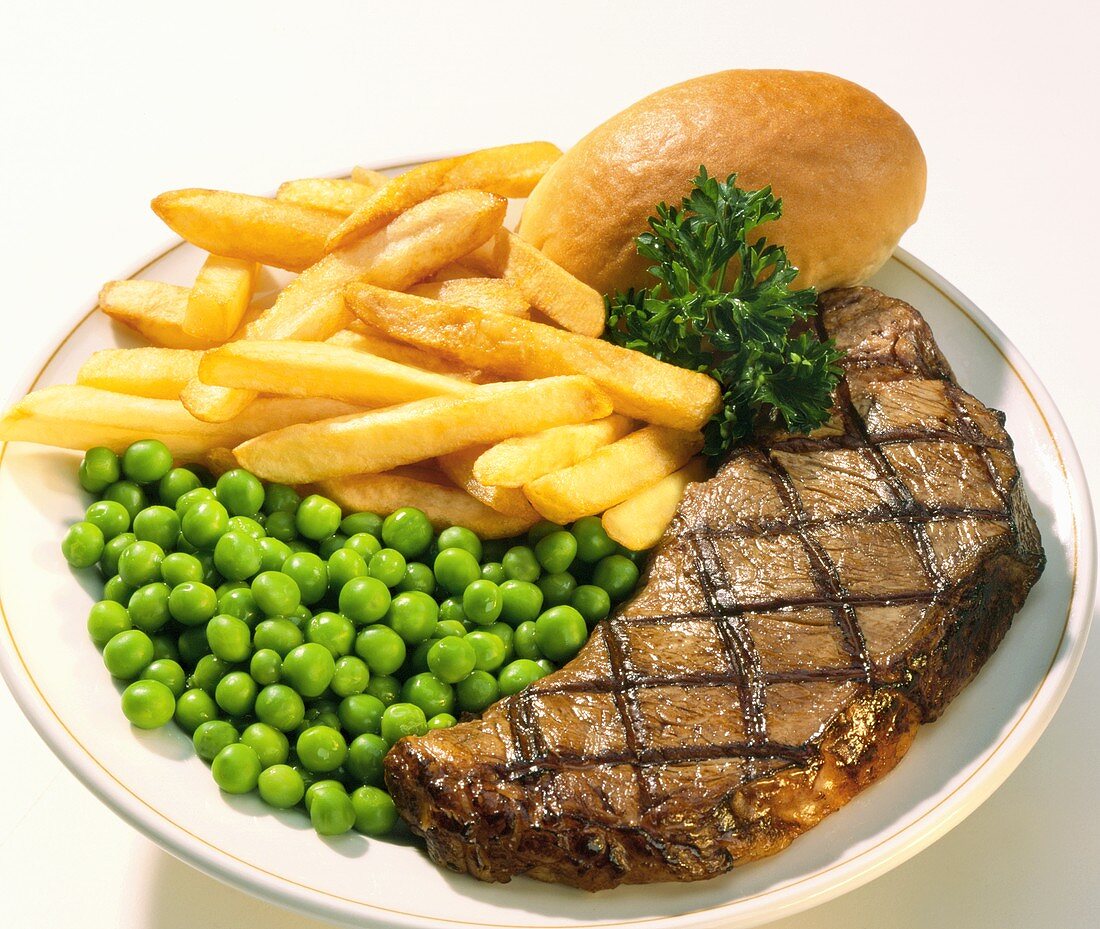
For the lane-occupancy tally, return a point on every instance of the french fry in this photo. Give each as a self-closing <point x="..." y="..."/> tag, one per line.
<point x="338" y="196"/>
<point x="485" y="293"/>
<point x="456" y="271"/>
<point x="320" y="369"/>
<point x="272" y="232"/>
<point x="219" y="460"/>
<point x="459" y="467"/>
<point x="311" y="308"/>
<point x="383" y="439"/>
<point x="219" y="298"/>
<point x="515" y="462"/>
<point x="549" y="288"/>
<point x="160" y="373"/>
<point x="443" y="505"/>
<point x="612" y="474"/>
<point x="640" y="387"/>
<point x="75" y="416"/>
<point x="639" y="522"/>
<point x="368" y="176"/>
<point x="152" y="309"/>
<point x="507" y="171"/>
<point x="364" y="339"/>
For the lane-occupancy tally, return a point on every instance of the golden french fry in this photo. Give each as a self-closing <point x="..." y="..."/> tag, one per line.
<point x="311" y="308"/>
<point x="515" y="462"/>
<point x="153" y="309"/>
<point x="549" y="288"/>
<point x="321" y="369"/>
<point x="507" y="171"/>
<point x="485" y="293"/>
<point x="456" y="271"/>
<point x="640" y="387"/>
<point x="363" y="339"/>
<point x="383" y="439"/>
<point x="219" y="298"/>
<point x="219" y="460"/>
<point x="368" y="176"/>
<point x="272" y="232"/>
<point x="338" y="196"/>
<point x="639" y="521"/>
<point x="613" y="473"/>
<point x="444" y="505"/>
<point x="75" y="416"/>
<point x="144" y="372"/>
<point x="459" y="467"/>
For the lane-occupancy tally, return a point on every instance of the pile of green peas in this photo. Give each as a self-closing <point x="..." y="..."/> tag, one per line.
<point x="296" y="645"/>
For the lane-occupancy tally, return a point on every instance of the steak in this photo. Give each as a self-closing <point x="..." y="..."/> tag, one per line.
<point x="807" y="609"/>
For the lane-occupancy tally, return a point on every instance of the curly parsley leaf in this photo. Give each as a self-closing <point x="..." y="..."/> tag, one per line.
<point x="732" y="321"/>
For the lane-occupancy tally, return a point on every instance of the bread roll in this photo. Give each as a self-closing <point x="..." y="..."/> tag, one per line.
<point x="848" y="168"/>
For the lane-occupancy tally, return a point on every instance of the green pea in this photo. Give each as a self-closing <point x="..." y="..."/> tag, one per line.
<point x="482" y="602"/>
<point x="236" y="693"/>
<point x="194" y="708"/>
<point x="126" y="653"/>
<point x="167" y="672"/>
<point x="402" y="719"/>
<point x="381" y="648"/>
<point x="273" y="554"/>
<point x="332" y="813"/>
<point x="82" y="545"/>
<point x="387" y="565"/>
<point x="385" y="687"/>
<point x="237" y="556"/>
<point x="557" y="589"/>
<point x="333" y="631"/>
<point x="193" y="645"/>
<point x="165" y="646"/>
<point x="525" y="642"/>
<point x="140" y="562"/>
<point x="210" y="737"/>
<point x="477" y="692"/>
<point x="418" y="576"/>
<point x="331" y="544"/>
<point x="236" y="769"/>
<point x="592" y="602"/>
<point x="441" y="721"/>
<point x="175" y="484"/>
<point x="547" y="666"/>
<point x="210" y="575"/>
<point x="146" y="461"/>
<point x="350" y="677"/>
<point x="459" y="537"/>
<point x="493" y="571"/>
<point x="241" y="492"/>
<point x="209" y="670"/>
<point x="280" y="706"/>
<point x="148" y="704"/>
<point x="521" y="601"/>
<point x="266" y="667"/>
<point x="240" y="602"/>
<point x="450" y="611"/>
<point x="317" y="517"/>
<point x="343" y="565"/>
<point x="106" y="619"/>
<point x="110" y="517"/>
<point x="179" y="568"/>
<point x="310" y="573"/>
<point x="316" y="715"/>
<point x="560" y="632"/>
<point x="98" y="469"/>
<point x="375" y="812"/>
<point x="320" y="786"/>
<point x="148" y="607"/>
<point x="192" y="498"/>
<point x="488" y="650"/>
<point x="616" y="574"/>
<point x="370" y="523"/>
<point x="451" y="659"/>
<point x="365" y="755"/>
<point x="593" y="543"/>
<point x="413" y="616"/>
<point x="359" y="713"/>
<point x="516" y="676"/>
<point x="118" y="590"/>
<point x="309" y="669"/>
<point x="417" y="662"/>
<point x="428" y="692"/>
<point x="556" y="551"/>
<point x="112" y="551"/>
<point x="230" y="638"/>
<point x="321" y="749"/>
<point x="455" y="569"/>
<point x="279" y="635"/>
<point x="192" y="603"/>
<point x="520" y="564"/>
<point x="445" y="628"/>
<point x="250" y="526"/>
<point x="275" y="593"/>
<point x="282" y="525"/>
<point x="204" y="523"/>
<point x="129" y="495"/>
<point x="281" y="786"/>
<point x="278" y="498"/>
<point x="408" y="531"/>
<point x="271" y="745"/>
<point x="158" y="524"/>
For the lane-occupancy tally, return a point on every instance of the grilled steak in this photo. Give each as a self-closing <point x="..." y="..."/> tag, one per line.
<point x="807" y="610"/>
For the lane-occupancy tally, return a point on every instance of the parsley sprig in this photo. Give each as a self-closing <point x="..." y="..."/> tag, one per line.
<point x="732" y="321"/>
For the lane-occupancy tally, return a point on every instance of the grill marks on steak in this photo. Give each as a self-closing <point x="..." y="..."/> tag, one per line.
<point x="808" y="608"/>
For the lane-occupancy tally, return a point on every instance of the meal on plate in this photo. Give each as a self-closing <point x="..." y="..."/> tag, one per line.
<point x="621" y="547"/>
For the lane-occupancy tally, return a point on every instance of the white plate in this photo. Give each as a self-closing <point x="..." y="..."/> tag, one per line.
<point x="154" y="781"/>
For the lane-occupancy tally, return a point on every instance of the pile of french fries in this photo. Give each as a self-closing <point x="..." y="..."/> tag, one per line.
<point x="423" y="355"/>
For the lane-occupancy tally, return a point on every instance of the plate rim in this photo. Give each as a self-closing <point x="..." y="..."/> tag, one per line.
<point x="825" y="884"/>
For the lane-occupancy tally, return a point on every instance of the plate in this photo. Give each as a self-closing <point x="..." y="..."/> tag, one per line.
<point x="155" y="782"/>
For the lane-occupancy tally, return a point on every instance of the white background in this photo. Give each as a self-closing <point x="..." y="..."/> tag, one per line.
<point x="103" y="105"/>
